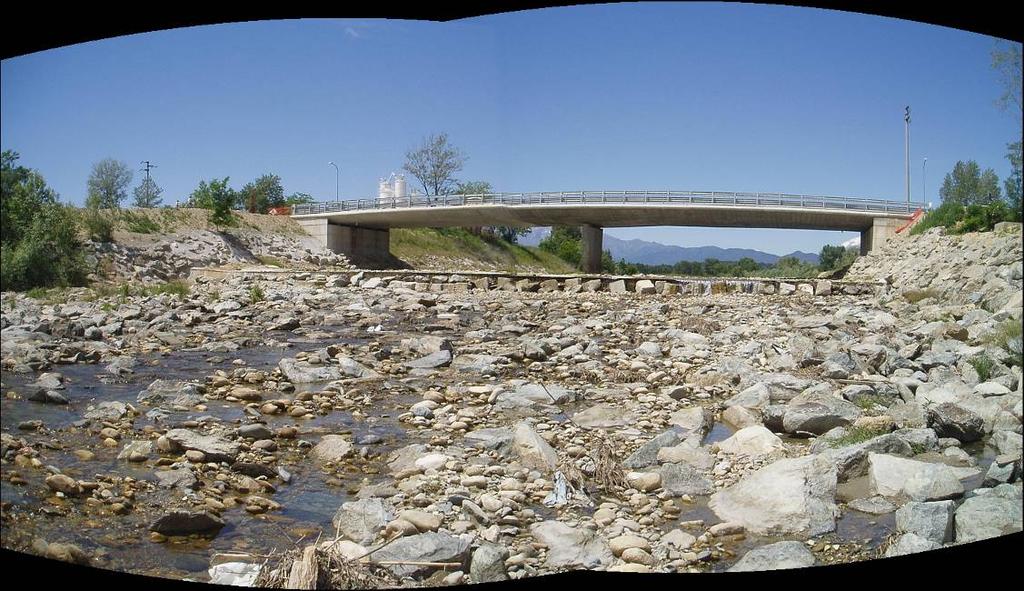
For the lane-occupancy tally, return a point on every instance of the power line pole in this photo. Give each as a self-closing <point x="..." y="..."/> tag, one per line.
<point x="906" y="118"/>
<point x="147" y="168"/>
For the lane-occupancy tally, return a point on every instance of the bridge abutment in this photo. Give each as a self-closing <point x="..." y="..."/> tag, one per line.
<point x="874" y="237"/>
<point x="593" y="236"/>
<point x="361" y="245"/>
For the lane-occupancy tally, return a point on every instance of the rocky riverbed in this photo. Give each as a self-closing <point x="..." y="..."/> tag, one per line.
<point x="457" y="436"/>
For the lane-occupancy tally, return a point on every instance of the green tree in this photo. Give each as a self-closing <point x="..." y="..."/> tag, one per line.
<point x="830" y="256"/>
<point x="298" y="199"/>
<point x="218" y="197"/>
<point x="147" y="194"/>
<point x="262" y="194"/>
<point x="1006" y="60"/>
<point x="565" y="242"/>
<point x="966" y="185"/>
<point x="108" y="184"/>
<point x="1012" y="184"/>
<point x="434" y="164"/>
<point x="39" y="244"/>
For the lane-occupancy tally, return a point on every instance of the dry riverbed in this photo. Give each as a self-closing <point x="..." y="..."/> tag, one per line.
<point x="488" y="435"/>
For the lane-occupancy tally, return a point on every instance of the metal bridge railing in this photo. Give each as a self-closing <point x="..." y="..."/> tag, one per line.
<point x="715" y="198"/>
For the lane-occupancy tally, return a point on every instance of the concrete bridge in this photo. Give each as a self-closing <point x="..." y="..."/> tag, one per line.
<point x="360" y="228"/>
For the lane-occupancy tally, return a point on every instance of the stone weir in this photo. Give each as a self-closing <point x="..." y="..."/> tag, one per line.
<point x="466" y="281"/>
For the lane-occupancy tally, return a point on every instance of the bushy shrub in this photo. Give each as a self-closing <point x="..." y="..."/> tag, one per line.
<point x="959" y="219"/>
<point x="98" y="224"/>
<point x="219" y="198"/>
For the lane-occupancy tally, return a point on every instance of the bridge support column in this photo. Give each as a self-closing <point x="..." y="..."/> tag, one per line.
<point x="874" y="237"/>
<point x="592" y="239"/>
<point x="362" y="246"/>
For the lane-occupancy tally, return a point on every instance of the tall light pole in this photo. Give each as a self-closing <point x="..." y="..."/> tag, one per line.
<point x="337" y="181"/>
<point x="906" y="118"/>
<point x="924" y="188"/>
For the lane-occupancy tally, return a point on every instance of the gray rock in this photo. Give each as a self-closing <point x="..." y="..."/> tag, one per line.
<point x="682" y="479"/>
<point x="602" y="416"/>
<point x="910" y="544"/>
<point x="778" y="556"/>
<point x="437" y="359"/>
<point x="953" y="420"/>
<point x="352" y="368"/>
<point x="143" y="447"/>
<point x="695" y="420"/>
<point x="488" y="564"/>
<point x="361" y="521"/>
<point x="873" y="505"/>
<point x="331" y="448"/>
<point x="789" y="497"/>
<point x="174" y="393"/>
<point x="751" y="441"/>
<point x="851" y="461"/>
<point x="533" y="451"/>
<point x="891" y="476"/>
<point x="47" y="396"/>
<point x="255" y="431"/>
<point x="303" y="372"/>
<point x="931" y="521"/>
<point x="216" y="449"/>
<point x="427" y="547"/>
<point x="184" y="523"/>
<point x="182" y="478"/>
<point x="499" y="440"/>
<point x="817" y="413"/>
<point x="987" y="516"/>
<point x="647" y="455"/>
<point x="571" y="547"/>
<point x="110" y="410"/>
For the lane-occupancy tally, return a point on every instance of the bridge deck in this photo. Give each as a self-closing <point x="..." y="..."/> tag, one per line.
<point x="612" y="209"/>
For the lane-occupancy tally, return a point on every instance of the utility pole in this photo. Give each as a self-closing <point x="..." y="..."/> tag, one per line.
<point x="146" y="168"/>
<point x="906" y="118"/>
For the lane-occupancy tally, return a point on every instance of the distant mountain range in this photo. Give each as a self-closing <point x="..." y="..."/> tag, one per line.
<point x="655" y="253"/>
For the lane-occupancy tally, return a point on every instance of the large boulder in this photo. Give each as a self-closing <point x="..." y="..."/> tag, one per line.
<point x="989" y="515"/>
<point x="332" y="448"/>
<point x="361" y="521"/>
<point x="683" y="479"/>
<point x="184" y="523"/>
<point x="751" y="441"/>
<point x="171" y="392"/>
<point x="601" y="416"/>
<point x="777" y="556"/>
<point x="931" y="521"/>
<point x="910" y="543"/>
<point x="216" y="449"/>
<point x="952" y="420"/>
<point x="891" y="476"/>
<point x="571" y="547"/>
<point x="817" y="413"/>
<point x="647" y="455"/>
<point x="416" y="550"/>
<point x="789" y="497"/>
<point x="488" y="564"/>
<point x="303" y="372"/>
<point x="533" y="451"/>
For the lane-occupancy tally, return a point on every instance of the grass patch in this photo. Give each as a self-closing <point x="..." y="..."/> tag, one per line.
<point x="138" y="222"/>
<point x="983" y="365"/>
<point x="256" y="294"/>
<point x="418" y="245"/>
<point x="856" y="435"/>
<point x="1007" y="336"/>
<point x="869" y="401"/>
<point x="916" y="295"/>
<point x="272" y="261"/>
<point x="48" y="295"/>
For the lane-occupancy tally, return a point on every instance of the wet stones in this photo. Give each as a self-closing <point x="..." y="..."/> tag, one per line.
<point x="64" y="484"/>
<point x="952" y="420"/>
<point x="214" y="448"/>
<point x="891" y="476"/>
<point x="184" y="523"/>
<point x="331" y="449"/>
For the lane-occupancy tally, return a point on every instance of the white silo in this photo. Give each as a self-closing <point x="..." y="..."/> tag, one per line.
<point x="400" y="188"/>
<point x="384" y="190"/>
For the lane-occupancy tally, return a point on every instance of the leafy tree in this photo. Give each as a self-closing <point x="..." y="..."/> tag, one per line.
<point x="1012" y="184"/>
<point x="966" y="185"/>
<point x="218" y="197"/>
<point x="147" y="194"/>
<point x="434" y="164"/>
<point x="108" y="184"/>
<point x="298" y="198"/>
<point x="39" y="244"/>
<point x="830" y="256"/>
<point x="1008" y="63"/>
<point x="262" y="194"/>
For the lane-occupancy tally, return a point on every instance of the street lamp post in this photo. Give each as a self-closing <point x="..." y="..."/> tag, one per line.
<point x="906" y="118"/>
<point x="337" y="181"/>
<point x="924" y="187"/>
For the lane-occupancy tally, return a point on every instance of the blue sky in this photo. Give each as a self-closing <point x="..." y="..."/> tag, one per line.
<point x="633" y="96"/>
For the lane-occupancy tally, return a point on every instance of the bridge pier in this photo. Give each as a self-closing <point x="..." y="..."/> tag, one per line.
<point x="592" y="240"/>
<point x="881" y="230"/>
<point x="362" y="246"/>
